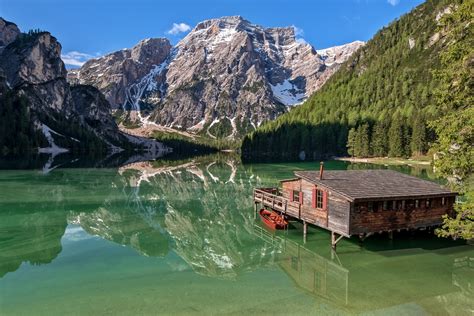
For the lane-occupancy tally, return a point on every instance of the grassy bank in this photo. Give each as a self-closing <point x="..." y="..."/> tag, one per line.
<point x="421" y="160"/>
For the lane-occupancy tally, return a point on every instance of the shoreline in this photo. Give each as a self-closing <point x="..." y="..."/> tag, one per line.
<point x="386" y="160"/>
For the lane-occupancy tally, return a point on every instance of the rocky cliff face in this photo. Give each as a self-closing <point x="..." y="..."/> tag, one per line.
<point x="8" y="32"/>
<point x="70" y="119"/>
<point x="114" y="74"/>
<point x="224" y="78"/>
<point x="32" y="64"/>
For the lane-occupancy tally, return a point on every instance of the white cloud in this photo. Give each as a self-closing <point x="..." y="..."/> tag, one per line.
<point x="75" y="58"/>
<point x="298" y="31"/>
<point x="178" y="28"/>
<point x="393" y="2"/>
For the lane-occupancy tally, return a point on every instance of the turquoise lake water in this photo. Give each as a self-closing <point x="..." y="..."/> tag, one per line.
<point x="179" y="237"/>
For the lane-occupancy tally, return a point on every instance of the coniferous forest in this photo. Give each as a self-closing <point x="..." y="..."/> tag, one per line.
<point x="380" y="103"/>
<point x="17" y="134"/>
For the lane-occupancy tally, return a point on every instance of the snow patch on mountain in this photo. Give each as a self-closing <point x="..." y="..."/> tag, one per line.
<point x="53" y="149"/>
<point x="287" y="93"/>
<point x="339" y="54"/>
<point x="224" y="36"/>
<point x="136" y="91"/>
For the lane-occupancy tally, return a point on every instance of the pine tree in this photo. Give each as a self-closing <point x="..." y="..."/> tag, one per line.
<point x="395" y="137"/>
<point x="363" y="140"/>
<point x="406" y="129"/>
<point x="379" y="140"/>
<point x="418" y="136"/>
<point x="351" y="138"/>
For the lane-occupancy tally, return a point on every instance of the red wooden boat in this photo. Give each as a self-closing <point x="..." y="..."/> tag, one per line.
<point x="272" y="219"/>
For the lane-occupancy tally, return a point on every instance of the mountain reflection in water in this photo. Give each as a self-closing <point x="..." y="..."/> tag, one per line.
<point x="199" y="212"/>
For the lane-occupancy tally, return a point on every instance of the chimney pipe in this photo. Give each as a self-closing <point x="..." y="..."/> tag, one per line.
<point x="321" y="170"/>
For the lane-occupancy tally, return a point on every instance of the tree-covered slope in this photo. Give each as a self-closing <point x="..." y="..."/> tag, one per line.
<point x="382" y="97"/>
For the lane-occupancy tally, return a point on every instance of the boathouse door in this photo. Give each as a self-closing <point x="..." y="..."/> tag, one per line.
<point x="319" y="204"/>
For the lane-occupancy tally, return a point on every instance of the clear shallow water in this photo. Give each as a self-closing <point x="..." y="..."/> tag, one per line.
<point x="180" y="238"/>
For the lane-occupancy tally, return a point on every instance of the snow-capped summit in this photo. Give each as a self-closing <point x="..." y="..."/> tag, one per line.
<point x="225" y="77"/>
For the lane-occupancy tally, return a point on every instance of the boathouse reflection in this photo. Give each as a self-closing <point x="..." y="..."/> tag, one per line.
<point x="344" y="281"/>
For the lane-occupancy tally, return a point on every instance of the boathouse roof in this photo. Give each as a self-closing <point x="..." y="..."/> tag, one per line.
<point x="374" y="184"/>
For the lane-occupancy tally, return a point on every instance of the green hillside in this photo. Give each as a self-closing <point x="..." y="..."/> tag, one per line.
<point x="380" y="102"/>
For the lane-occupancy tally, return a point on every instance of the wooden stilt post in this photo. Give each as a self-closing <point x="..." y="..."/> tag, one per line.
<point x="335" y="239"/>
<point x="305" y="230"/>
<point x="390" y="235"/>
<point x="255" y="206"/>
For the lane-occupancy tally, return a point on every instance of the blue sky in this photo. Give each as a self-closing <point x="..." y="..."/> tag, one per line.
<point x="88" y="28"/>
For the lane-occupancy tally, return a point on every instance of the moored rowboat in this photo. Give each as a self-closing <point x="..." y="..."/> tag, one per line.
<point x="273" y="220"/>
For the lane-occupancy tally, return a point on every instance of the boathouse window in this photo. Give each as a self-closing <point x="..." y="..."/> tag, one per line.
<point x="319" y="198"/>
<point x="389" y="205"/>
<point x="394" y="205"/>
<point x="417" y="203"/>
<point x="428" y="203"/>
<point x="296" y="196"/>
<point x="371" y="206"/>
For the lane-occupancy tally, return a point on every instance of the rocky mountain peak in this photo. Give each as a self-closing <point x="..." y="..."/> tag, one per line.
<point x="33" y="63"/>
<point x="223" y="78"/>
<point x="34" y="58"/>
<point x="8" y="32"/>
<point x="115" y="74"/>
<point x="151" y="50"/>
<point x="226" y="22"/>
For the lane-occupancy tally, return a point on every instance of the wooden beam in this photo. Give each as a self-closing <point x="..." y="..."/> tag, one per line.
<point x="334" y="239"/>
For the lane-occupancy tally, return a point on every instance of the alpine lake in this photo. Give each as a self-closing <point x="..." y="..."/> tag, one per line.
<point x="179" y="237"/>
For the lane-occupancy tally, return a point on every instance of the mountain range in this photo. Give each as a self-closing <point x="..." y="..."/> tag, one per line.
<point x="41" y="111"/>
<point x="223" y="79"/>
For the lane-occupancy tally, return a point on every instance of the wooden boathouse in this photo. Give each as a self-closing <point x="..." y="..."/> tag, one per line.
<point x="358" y="202"/>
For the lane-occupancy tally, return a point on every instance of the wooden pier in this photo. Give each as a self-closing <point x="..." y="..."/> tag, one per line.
<point x="269" y="197"/>
<point x="272" y="198"/>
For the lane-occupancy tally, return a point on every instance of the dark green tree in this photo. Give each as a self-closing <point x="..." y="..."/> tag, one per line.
<point x="351" y="139"/>
<point x="379" y="142"/>
<point x="395" y="137"/>
<point x="418" y="136"/>
<point x="454" y="147"/>
<point x="363" y="141"/>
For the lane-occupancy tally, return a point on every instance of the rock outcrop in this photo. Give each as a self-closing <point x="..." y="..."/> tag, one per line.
<point x="32" y="63"/>
<point x="113" y="74"/>
<point x="339" y="54"/>
<point x="8" y="32"/>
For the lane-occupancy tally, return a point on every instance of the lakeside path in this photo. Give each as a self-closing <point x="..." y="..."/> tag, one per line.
<point x="388" y="161"/>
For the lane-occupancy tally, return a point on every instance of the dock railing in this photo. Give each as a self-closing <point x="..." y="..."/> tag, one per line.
<point x="270" y="197"/>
